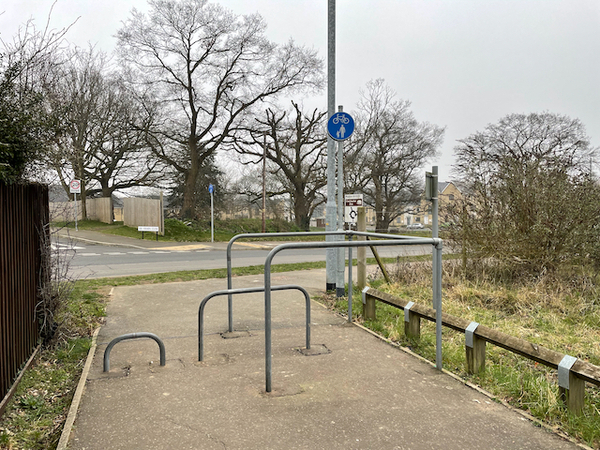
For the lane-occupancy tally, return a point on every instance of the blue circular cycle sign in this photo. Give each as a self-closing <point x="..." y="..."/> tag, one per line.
<point x="211" y="188"/>
<point x="340" y="126"/>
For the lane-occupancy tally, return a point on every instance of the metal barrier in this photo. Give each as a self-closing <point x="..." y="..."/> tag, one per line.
<point x="124" y="337"/>
<point x="437" y="287"/>
<point x="294" y="234"/>
<point x="231" y="292"/>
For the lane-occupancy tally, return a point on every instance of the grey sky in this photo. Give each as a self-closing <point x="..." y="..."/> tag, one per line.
<point x="462" y="63"/>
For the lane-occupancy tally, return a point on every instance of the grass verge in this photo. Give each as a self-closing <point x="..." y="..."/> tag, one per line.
<point x="546" y="312"/>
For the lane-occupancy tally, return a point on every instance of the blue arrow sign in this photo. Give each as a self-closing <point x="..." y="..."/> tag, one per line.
<point x="211" y="188"/>
<point x="340" y="126"/>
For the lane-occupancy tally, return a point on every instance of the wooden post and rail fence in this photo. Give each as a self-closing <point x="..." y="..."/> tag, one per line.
<point x="573" y="373"/>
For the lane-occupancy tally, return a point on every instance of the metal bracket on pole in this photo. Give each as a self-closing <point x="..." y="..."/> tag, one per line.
<point x="564" y="368"/>
<point x="469" y="334"/>
<point x="364" y="294"/>
<point x="407" y="311"/>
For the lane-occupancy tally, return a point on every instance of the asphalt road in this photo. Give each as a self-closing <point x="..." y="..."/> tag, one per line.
<point x="94" y="260"/>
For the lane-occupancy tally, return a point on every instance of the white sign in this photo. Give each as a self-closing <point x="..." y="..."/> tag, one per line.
<point x="75" y="186"/>
<point x="141" y="228"/>
<point x="352" y="202"/>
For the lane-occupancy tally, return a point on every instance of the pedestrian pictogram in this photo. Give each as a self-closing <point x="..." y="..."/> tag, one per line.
<point x="340" y="126"/>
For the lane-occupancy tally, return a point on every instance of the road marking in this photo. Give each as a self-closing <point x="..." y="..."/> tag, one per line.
<point x="156" y="251"/>
<point x="115" y="253"/>
<point x="183" y="247"/>
<point x="260" y="246"/>
<point x="139" y="253"/>
<point x="88" y="254"/>
<point x="66" y="247"/>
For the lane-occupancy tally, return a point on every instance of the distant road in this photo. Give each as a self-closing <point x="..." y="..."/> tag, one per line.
<point x="89" y="260"/>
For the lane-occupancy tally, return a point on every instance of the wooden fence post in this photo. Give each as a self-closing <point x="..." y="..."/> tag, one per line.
<point x="474" y="349"/>
<point x="476" y="356"/>
<point x="412" y="323"/>
<point x="573" y="397"/>
<point x="570" y="387"/>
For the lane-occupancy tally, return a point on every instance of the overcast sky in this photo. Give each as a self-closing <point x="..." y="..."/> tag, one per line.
<point x="462" y="63"/>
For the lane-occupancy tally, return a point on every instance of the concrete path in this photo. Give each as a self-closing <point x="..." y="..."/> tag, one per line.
<point x="354" y="392"/>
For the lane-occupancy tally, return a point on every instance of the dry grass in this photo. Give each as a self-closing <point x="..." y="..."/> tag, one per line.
<point x="560" y="311"/>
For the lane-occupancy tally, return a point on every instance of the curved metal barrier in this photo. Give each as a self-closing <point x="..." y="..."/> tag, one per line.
<point x="437" y="287"/>
<point x="348" y="233"/>
<point x="230" y="292"/>
<point x="128" y="336"/>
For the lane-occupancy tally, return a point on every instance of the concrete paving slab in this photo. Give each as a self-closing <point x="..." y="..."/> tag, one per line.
<point x="354" y="392"/>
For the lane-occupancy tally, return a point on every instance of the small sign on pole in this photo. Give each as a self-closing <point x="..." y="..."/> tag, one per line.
<point x="352" y="202"/>
<point x="75" y="188"/>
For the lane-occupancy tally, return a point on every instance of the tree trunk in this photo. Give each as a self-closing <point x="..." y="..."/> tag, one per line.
<point x="301" y="213"/>
<point x="189" y="188"/>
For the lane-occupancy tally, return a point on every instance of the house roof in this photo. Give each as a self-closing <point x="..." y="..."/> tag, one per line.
<point x="443" y="185"/>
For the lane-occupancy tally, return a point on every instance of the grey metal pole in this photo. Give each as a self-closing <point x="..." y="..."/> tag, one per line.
<point x="264" y="184"/>
<point x="438" y="306"/>
<point x="434" y="226"/>
<point x="340" y="282"/>
<point x="330" y="211"/>
<point x="437" y="270"/>
<point x="434" y="204"/>
<point x="229" y="287"/>
<point x="212" y="219"/>
<point x="76" y="211"/>
<point x="350" y="281"/>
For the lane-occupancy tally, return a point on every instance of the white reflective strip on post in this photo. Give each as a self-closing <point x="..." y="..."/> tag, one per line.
<point x="469" y="334"/>
<point x="407" y="311"/>
<point x="364" y="295"/>
<point x="564" y="368"/>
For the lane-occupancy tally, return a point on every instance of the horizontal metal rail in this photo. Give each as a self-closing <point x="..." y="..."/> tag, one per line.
<point x="247" y="291"/>
<point x="348" y="233"/>
<point x="435" y="242"/>
<point x="124" y="337"/>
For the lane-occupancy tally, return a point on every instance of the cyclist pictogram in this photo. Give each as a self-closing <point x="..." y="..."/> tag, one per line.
<point x="340" y="126"/>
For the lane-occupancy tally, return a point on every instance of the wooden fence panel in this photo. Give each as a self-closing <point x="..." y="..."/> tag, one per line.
<point x="24" y="218"/>
<point x="100" y="209"/>
<point x="143" y="212"/>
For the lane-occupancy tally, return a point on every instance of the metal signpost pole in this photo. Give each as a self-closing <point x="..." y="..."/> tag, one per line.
<point x="75" y="188"/>
<point x="211" y="189"/>
<point x="330" y="212"/>
<point x="264" y="184"/>
<point x="76" y="211"/>
<point x="434" y="203"/>
<point x="341" y="255"/>
<point x="432" y="193"/>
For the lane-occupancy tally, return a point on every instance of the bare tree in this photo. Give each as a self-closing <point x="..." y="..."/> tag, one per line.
<point x="532" y="198"/>
<point x="297" y="149"/>
<point x="388" y="149"/>
<point x="207" y="68"/>
<point x="102" y="134"/>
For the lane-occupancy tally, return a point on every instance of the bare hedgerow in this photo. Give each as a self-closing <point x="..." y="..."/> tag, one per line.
<point x="55" y="285"/>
